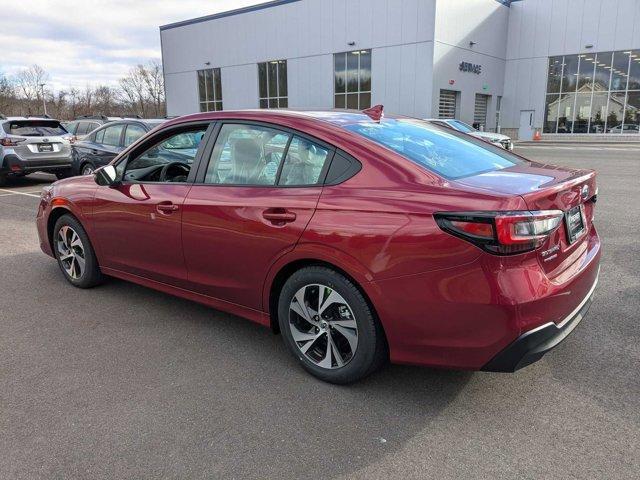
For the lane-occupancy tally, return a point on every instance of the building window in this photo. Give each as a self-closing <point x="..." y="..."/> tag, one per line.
<point x="352" y="79"/>
<point x="210" y="89"/>
<point x="272" y="84"/>
<point x="447" y="105"/>
<point x="480" y="111"/>
<point x="593" y="93"/>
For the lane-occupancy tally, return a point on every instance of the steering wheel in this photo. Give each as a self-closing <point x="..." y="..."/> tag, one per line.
<point x="181" y="165"/>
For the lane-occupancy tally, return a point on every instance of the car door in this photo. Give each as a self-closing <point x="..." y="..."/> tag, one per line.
<point x="137" y="222"/>
<point x="110" y="146"/>
<point x="256" y="191"/>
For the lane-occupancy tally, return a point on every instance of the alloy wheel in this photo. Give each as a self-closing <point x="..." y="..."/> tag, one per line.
<point x="87" y="170"/>
<point x="71" y="252"/>
<point x="323" y="326"/>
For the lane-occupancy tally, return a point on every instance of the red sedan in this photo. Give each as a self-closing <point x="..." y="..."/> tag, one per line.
<point x="359" y="237"/>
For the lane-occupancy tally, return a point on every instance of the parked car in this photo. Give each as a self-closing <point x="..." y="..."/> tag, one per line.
<point x="359" y="238"/>
<point x="626" y="128"/>
<point x="82" y="126"/>
<point x="495" y="138"/>
<point x="85" y="124"/>
<point x="102" y="145"/>
<point x="33" y="144"/>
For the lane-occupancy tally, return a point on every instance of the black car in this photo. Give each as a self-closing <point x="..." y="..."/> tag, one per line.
<point x="103" y="144"/>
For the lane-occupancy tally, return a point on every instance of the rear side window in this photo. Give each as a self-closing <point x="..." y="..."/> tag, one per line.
<point x="99" y="136"/>
<point x="133" y="133"/>
<point x="34" y="128"/>
<point x="446" y="152"/>
<point x="83" y="128"/>
<point x="304" y="163"/>
<point x="112" y="135"/>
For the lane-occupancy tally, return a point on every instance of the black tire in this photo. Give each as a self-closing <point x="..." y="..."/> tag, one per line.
<point x="3" y="179"/>
<point x="371" y="351"/>
<point x="60" y="174"/>
<point x="85" y="166"/>
<point x="91" y="274"/>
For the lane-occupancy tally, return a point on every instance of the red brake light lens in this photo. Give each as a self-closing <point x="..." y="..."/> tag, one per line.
<point x="502" y="233"/>
<point x="481" y="230"/>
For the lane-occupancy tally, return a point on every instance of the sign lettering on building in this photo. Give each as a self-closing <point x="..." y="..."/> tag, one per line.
<point x="470" y="67"/>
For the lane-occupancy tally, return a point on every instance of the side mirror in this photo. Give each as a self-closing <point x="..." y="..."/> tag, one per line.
<point x="106" y="176"/>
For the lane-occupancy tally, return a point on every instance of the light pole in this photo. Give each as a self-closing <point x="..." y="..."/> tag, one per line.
<point x="44" y="102"/>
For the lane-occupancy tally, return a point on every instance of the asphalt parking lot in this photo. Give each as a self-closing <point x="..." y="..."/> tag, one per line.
<point x="125" y="382"/>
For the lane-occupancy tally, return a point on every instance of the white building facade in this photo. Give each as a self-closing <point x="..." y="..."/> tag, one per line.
<point x="514" y="65"/>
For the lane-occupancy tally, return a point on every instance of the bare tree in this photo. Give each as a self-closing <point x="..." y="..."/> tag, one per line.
<point x="28" y="83"/>
<point x="141" y="92"/>
<point x="134" y="90"/>
<point x="7" y="95"/>
<point x="154" y="82"/>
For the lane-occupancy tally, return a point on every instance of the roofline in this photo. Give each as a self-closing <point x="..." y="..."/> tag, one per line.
<point x="229" y="13"/>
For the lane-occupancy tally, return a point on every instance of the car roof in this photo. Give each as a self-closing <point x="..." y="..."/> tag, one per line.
<point x="29" y="118"/>
<point x="337" y="118"/>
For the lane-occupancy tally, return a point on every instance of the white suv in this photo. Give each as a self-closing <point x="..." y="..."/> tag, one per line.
<point x="33" y="144"/>
<point x="495" y="138"/>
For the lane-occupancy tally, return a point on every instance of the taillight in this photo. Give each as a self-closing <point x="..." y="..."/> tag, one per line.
<point x="502" y="233"/>
<point x="11" y="141"/>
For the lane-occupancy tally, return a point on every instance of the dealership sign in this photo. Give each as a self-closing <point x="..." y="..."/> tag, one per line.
<point x="470" y="67"/>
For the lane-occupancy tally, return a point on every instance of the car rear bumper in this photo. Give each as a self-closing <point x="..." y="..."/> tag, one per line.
<point x="532" y="345"/>
<point x="463" y="317"/>
<point x="13" y="164"/>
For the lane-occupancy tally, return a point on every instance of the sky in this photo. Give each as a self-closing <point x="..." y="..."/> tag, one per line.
<point x="92" y="42"/>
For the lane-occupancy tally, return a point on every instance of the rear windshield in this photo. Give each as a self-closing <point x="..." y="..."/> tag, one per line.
<point x="446" y="152"/>
<point x="34" y="128"/>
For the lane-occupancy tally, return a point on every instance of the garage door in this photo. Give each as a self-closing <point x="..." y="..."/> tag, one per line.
<point x="480" y="111"/>
<point x="447" y="105"/>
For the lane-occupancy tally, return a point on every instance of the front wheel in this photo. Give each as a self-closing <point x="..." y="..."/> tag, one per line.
<point x="329" y="327"/>
<point x="60" y="174"/>
<point x="74" y="253"/>
<point x="87" y="169"/>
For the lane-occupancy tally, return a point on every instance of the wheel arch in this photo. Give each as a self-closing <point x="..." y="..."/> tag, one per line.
<point x="287" y="269"/>
<point x="55" y="214"/>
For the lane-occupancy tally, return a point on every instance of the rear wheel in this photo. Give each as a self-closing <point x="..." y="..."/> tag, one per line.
<point x="74" y="253"/>
<point x="3" y="179"/>
<point x="329" y="327"/>
<point x="62" y="174"/>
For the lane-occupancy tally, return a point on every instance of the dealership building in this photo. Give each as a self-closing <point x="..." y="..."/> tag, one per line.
<point x="563" y="67"/>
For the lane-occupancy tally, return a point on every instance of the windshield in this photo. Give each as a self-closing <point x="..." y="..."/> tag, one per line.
<point x="461" y="126"/>
<point x="34" y="128"/>
<point x="441" y="150"/>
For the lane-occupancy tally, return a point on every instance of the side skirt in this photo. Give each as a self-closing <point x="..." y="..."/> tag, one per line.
<point x="256" y="316"/>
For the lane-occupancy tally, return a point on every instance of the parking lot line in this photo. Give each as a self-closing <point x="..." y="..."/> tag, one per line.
<point x="13" y="192"/>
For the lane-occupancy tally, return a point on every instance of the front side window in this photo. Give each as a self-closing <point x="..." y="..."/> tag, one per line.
<point x="272" y="84"/>
<point x="210" y="89"/>
<point x="112" y="135"/>
<point x="444" y="151"/>
<point x="168" y="160"/>
<point x="352" y="79"/>
<point x="246" y="155"/>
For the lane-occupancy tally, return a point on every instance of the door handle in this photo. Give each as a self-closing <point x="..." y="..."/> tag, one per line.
<point x="94" y="151"/>
<point x="166" y="207"/>
<point x="279" y="215"/>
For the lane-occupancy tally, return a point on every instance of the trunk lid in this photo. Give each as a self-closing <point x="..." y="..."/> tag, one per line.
<point x="549" y="187"/>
